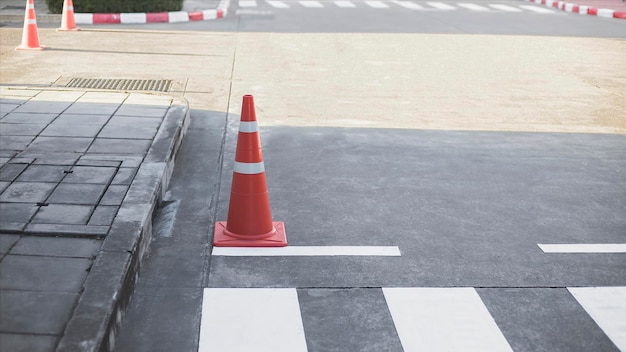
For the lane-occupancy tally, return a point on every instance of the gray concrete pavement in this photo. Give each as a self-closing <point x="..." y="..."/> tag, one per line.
<point x="350" y="120"/>
<point x="81" y="172"/>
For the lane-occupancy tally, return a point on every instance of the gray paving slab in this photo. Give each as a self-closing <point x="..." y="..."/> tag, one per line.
<point x="15" y="142"/>
<point x="9" y="172"/>
<point x="17" y="212"/>
<point x="28" y="312"/>
<point x="27" y="343"/>
<point x="60" y="144"/>
<point x="77" y="193"/>
<point x="141" y="110"/>
<point x="135" y="121"/>
<point x="29" y="118"/>
<point x="43" y="173"/>
<point x="7" y="241"/>
<point x="57" y="247"/>
<point x="82" y="119"/>
<point x="20" y="129"/>
<point x="88" y="231"/>
<point x="63" y="214"/>
<point x="127" y="132"/>
<point x="103" y="215"/>
<point x="119" y="146"/>
<point x="70" y="130"/>
<point x="4" y="185"/>
<point x="27" y="192"/>
<point x="124" y="176"/>
<point x="95" y="108"/>
<point x="43" y="274"/>
<point x="114" y="195"/>
<point x="44" y="107"/>
<point x="91" y="174"/>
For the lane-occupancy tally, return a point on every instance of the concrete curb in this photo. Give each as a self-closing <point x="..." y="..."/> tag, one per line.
<point x="153" y="17"/>
<point x="581" y="9"/>
<point x="132" y="18"/>
<point x="108" y="288"/>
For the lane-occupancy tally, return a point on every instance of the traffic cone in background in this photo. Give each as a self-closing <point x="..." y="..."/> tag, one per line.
<point x="249" y="222"/>
<point x="67" y="18"/>
<point x="30" y="35"/>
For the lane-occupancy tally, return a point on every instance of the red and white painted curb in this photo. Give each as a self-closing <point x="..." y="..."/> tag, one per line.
<point x="153" y="17"/>
<point x="581" y="9"/>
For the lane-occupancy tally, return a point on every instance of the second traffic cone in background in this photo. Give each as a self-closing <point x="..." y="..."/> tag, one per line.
<point x="30" y="35"/>
<point x="249" y="222"/>
<point x="67" y="18"/>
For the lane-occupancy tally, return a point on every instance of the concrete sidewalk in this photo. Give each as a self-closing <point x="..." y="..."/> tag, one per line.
<point x="81" y="172"/>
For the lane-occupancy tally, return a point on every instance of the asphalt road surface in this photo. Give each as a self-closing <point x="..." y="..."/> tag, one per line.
<point x="506" y="17"/>
<point x="460" y="141"/>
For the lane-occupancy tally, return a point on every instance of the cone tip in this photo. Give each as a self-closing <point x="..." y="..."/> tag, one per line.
<point x="248" y="112"/>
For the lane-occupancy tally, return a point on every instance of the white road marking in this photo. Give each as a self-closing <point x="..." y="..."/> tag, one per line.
<point x="278" y="5"/>
<point x="583" y="248"/>
<point x="376" y="4"/>
<point x="441" y="6"/>
<point x="607" y="307"/>
<point x="472" y="7"/>
<point x="247" y="3"/>
<point x="251" y="319"/>
<point x="443" y="319"/>
<point x="311" y="4"/>
<point x="303" y="251"/>
<point x="344" y="4"/>
<point x="505" y="8"/>
<point x="408" y="4"/>
<point x="536" y="9"/>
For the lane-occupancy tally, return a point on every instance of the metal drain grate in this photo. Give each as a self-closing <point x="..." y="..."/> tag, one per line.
<point x="157" y="85"/>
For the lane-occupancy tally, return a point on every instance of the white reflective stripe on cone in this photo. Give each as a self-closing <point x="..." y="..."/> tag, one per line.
<point x="248" y="126"/>
<point x="249" y="168"/>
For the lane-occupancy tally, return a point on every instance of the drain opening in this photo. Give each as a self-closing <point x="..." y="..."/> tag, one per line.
<point x="157" y="85"/>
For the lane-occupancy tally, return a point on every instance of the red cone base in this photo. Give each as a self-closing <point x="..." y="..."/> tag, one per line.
<point x="274" y="238"/>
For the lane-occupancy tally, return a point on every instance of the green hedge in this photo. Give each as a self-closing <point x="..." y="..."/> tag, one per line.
<point x="115" y="6"/>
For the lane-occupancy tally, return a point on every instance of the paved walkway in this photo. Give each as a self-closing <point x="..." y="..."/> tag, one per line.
<point x="81" y="172"/>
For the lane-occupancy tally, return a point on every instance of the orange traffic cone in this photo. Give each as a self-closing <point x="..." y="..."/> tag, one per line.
<point x="249" y="222"/>
<point x="30" y="35"/>
<point x="67" y="18"/>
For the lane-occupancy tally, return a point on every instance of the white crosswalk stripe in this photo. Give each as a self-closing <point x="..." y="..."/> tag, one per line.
<point x="251" y="319"/>
<point x="536" y="9"/>
<point x="311" y="4"/>
<point x="607" y="307"/>
<point x="425" y="318"/>
<point x="406" y="4"/>
<point x="247" y="3"/>
<point x="277" y="4"/>
<point x="344" y="4"/>
<point x="506" y="8"/>
<point x="376" y="4"/>
<point x="472" y="7"/>
<point x="441" y="6"/>
<point x="443" y="319"/>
